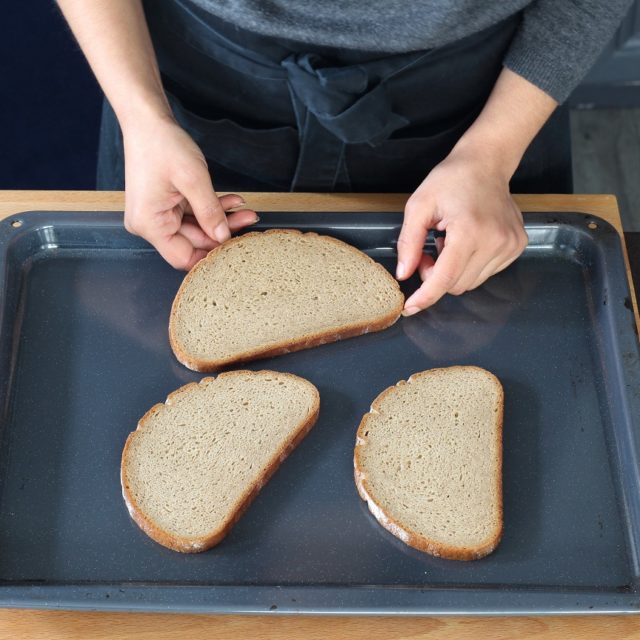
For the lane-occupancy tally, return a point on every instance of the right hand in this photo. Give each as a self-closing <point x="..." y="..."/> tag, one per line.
<point x="169" y="198"/>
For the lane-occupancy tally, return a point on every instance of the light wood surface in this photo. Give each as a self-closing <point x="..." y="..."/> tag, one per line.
<point x="68" y="625"/>
<point x="11" y="202"/>
<point x="54" y="625"/>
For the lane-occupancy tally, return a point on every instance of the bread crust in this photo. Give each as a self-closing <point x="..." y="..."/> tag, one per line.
<point x="285" y="346"/>
<point x="407" y="535"/>
<point x="202" y="543"/>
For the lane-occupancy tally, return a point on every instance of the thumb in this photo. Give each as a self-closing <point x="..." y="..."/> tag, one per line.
<point x="197" y="188"/>
<point x="419" y="214"/>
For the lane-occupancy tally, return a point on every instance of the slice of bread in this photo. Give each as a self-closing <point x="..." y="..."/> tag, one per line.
<point x="268" y="293"/>
<point x="428" y="461"/>
<point x="196" y="462"/>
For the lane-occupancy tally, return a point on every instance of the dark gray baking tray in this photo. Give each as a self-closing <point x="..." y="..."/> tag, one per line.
<point x="84" y="353"/>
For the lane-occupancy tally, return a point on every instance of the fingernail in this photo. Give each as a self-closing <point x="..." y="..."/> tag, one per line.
<point x="256" y="219"/>
<point x="409" y="311"/>
<point x="401" y="269"/>
<point x="221" y="232"/>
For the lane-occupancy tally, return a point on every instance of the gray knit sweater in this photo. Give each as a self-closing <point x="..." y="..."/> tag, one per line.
<point x="557" y="42"/>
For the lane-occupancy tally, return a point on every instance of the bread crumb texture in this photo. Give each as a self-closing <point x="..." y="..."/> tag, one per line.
<point x="194" y="461"/>
<point x="428" y="460"/>
<point x="276" y="287"/>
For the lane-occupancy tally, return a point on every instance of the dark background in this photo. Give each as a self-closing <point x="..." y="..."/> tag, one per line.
<point x="50" y="103"/>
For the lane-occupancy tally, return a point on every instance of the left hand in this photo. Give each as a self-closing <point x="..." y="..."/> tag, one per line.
<point x="466" y="195"/>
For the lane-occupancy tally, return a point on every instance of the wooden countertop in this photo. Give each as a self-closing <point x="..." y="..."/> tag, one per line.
<point x="54" y="625"/>
<point x="604" y="206"/>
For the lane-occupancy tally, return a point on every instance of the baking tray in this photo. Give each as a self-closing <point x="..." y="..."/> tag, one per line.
<point x="84" y="353"/>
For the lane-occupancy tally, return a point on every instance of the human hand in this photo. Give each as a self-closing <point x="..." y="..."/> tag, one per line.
<point x="169" y="197"/>
<point x="468" y="197"/>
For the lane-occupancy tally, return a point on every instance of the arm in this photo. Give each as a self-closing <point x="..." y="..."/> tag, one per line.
<point x="558" y="41"/>
<point x="169" y="199"/>
<point x="467" y="195"/>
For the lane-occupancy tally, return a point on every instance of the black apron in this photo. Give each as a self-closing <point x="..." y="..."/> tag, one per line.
<point x="274" y="115"/>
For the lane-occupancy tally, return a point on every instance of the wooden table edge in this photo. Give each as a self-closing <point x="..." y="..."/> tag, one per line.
<point x="11" y="202"/>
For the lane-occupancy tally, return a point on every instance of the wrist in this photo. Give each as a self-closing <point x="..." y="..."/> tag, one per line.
<point x="514" y="113"/>
<point x="498" y="153"/>
<point x="142" y="111"/>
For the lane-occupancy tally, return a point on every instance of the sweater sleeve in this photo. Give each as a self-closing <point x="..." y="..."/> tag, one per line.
<point x="559" y="40"/>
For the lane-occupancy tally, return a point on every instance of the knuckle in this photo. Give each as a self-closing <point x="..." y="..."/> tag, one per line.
<point x="449" y="279"/>
<point x="516" y="243"/>
<point x="523" y="240"/>
<point x="513" y="248"/>
<point x="212" y="210"/>
<point x="457" y="290"/>
<point x="181" y="262"/>
<point x="131" y="224"/>
<point x="417" y="208"/>
<point x="511" y="242"/>
<point x="168" y="222"/>
<point x="405" y="240"/>
<point x="414" y="201"/>
<point x="425" y="298"/>
<point x="501" y="237"/>
<point x="411" y="209"/>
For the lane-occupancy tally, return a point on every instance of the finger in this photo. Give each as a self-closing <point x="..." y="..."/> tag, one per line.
<point x="469" y="276"/>
<point x="178" y="251"/>
<point x="447" y="270"/>
<point x="241" y="219"/>
<point x="196" y="236"/>
<point x="418" y="216"/>
<point x="501" y="262"/>
<point x="145" y="221"/>
<point x="197" y="188"/>
<point x="200" y="240"/>
<point x="236" y="220"/>
<point x="425" y="266"/>
<point x="495" y="266"/>
<point x="186" y="208"/>
<point x="163" y="232"/>
<point x="160" y="224"/>
<point x="477" y="263"/>
<point x="231" y="201"/>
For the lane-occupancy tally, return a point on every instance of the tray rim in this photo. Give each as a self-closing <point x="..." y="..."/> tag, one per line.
<point x="153" y="597"/>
